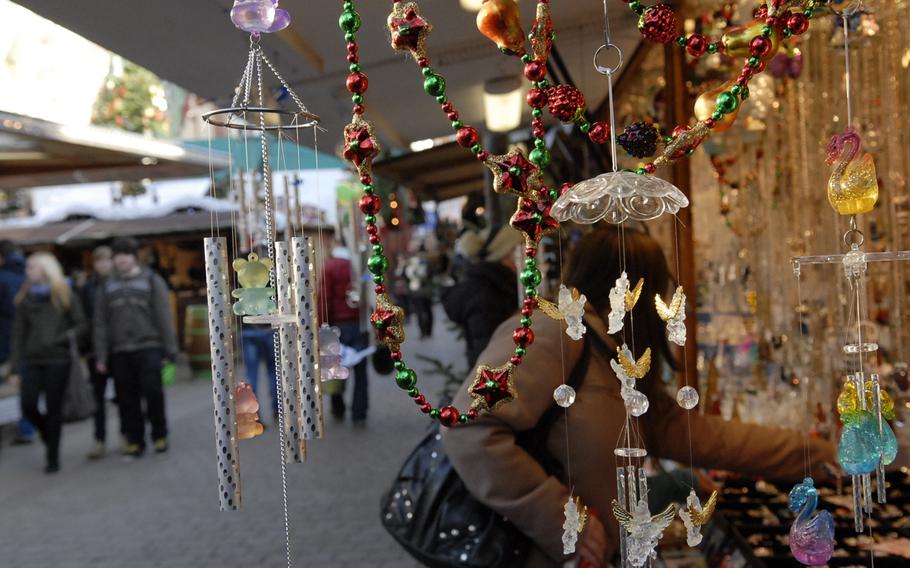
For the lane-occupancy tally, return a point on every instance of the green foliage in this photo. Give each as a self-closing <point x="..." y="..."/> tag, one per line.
<point x="133" y="100"/>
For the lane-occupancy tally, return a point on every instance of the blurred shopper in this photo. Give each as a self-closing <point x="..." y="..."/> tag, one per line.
<point x="341" y="312"/>
<point x="48" y="317"/>
<point x="487" y="293"/>
<point x="133" y="336"/>
<point x="12" y="275"/>
<point x="419" y="275"/>
<point x="102" y="265"/>
<point x="258" y="342"/>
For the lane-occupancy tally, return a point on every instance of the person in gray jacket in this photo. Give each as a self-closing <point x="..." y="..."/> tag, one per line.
<point x="134" y="335"/>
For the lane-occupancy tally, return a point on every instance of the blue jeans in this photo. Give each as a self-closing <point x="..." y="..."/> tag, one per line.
<point x="353" y="337"/>
<point x="258" y="344"/>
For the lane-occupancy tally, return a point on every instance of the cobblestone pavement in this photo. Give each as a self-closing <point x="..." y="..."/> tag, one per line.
<point x="162" y="511"/>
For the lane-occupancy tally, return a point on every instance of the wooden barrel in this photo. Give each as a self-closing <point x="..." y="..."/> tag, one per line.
<point x="196" y="338"/>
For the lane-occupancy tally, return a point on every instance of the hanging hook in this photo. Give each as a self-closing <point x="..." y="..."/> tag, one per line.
<point x="608" y="70"/>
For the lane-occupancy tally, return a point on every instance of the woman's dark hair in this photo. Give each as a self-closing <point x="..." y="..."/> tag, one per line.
<point x="593" y="268"/>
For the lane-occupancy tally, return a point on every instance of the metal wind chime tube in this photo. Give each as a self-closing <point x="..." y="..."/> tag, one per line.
<point x="289" y="374"/>
<point x="307" y="348"/>
<point x="221" y="338"/>
<point x="880" y="470"/>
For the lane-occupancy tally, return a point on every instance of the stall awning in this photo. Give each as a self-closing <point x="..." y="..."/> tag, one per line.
<point x="36" y="153"/>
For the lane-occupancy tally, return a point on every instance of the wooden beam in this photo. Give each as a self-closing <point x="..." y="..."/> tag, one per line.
<point x="303" y="48"/>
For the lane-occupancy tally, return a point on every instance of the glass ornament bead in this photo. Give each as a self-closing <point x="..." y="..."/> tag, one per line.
<point x="253" y="16"/>
<point x="564" y="395"/>
<point x="253" y="272"/>
<point x="637" y="402"/>
<point x="853" y="185"/>
<point x="860" y="445"/>
<point x="687" y="397"/>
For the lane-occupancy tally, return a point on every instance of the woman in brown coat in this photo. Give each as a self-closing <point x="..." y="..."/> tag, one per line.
<point x="507" y="479"/>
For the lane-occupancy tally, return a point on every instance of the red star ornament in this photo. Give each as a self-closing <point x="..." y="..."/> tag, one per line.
<point x="408" y="29"/>
<point x="388" y="320"/>
<point x="361" y="145"/>
<point x="533" y="219"/>
<point x="492" y="387"/>
<point x="513" y="173"/>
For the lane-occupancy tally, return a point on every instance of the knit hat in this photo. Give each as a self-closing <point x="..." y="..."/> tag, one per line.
<point x="125" y="245"/>
<point x="502" y="244"/>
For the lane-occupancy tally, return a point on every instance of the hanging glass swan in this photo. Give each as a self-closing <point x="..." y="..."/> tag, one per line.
<point x="853" y="185"/>
<point x="811" y="537"/>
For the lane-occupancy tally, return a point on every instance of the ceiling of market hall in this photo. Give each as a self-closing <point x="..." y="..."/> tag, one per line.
<point x="193" y="44"/>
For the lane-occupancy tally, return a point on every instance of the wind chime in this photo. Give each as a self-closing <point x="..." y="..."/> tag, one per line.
<point x="867" y="444"/>
<point x="276" y="289"/>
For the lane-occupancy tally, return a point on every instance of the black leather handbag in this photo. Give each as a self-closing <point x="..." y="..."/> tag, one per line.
<point x="431" y="513"/>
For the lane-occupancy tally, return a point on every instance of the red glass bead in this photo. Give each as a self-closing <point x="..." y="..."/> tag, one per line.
<point x="564" y="101"/>
<point x="759" y="46"/>
<point x="483" y="155"/>
<point x="696" y="45"/>
<point x="772" y="22"/>
<point x="710" y="122"/>
<point x="420" y="400"/>
<point x="357" y="83"/>
<point x="352" y="58"/>
<point x="380" y="289"/>
<point x="426" y="408"/>
<point x="761" y="66"/>
<point x="761" y="13"/>
<point x="375" y="239"/>
<point x="423" y="62"/>
<point x="452" y="116"/>
<point x="658" y="24"/>
<point x="352" y="47"/>
<point x="599" y="133"/>
<point x="448" y="416"/>
<point x="472" y="414"/>
<point x="535" y="71"/>
<point x="650" y="167"/>
<point x="370" y="204"/>
<point x="527" y="312"/>
<point x="530" y="252"/>
<point x="537" y="123"/>
<point x="537" y="98"/>
<point x="358" y="109"/>
<point x="523" y="336"/>
<point x="530" y="302"/>
<point x="395" y="355"/>
<point x="372" y="230"/>
<point x="539" y="133"/>
<point x="515" y="360"/>
<point x="447" y="108"/>
<point x="797" y="23"/>
<point x="366" y="179"/>
<point x="679" y="130"/>
<point x="467" y="136"/>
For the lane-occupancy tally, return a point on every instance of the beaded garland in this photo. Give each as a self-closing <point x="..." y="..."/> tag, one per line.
<point x="516" y="174"/>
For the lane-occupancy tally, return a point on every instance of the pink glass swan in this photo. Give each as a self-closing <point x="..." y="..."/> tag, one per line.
<point x="853" y="185"/>
<point x="811" y="537"/>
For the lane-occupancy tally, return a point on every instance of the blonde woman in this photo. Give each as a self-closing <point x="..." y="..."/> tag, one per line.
<point x="47" y="314"/>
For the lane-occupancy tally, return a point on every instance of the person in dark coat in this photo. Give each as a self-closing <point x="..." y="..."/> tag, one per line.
<point x="487" y="294"/>
<point x="48" y="317"/>
<point x="12" y="275"/>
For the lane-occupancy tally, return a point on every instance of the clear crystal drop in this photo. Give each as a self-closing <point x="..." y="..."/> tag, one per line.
<point x="564" y="395"/>
<point x="687" y="397"/>
<point x="637" y="403"/>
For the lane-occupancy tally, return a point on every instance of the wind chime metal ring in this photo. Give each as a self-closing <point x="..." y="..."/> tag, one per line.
<point x="603" y="70"/>
<point x="854" y="236"/>
<point x="290" y="120"/>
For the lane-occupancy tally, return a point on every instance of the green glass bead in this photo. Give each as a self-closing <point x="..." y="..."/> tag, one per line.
<point x="540" y="143"/>
<point x="754" y="61"/>
<point x="554" y="195"/>
<point x="526" y="58"/>
<point x="539" y="157"/>
<point x="370" y="219"/>
<point x="476" y="148"/>
<point x="745" y="93"/>
<point x="712" y="48"/>
<point x="530" y="277"/>
<point x="515" y="171"/>
<point x="354" y="67"/>
<point x="378" y="279"/>
<point x="434" y="414"/>
<point x="349" y="21"/>
<point x="727" y="102"/>
<point x="463" y="418"/>
<point x="766" y="31"/>
<point x="520" y="351"/>
<point x="377" y="249"/>
<point x="543" y="84"/>
<point x="787" y="33"/>
<point x="357" y="99"/>
<point x="434" y="85"/>
<point x="538" y="218"/>
<point x="369" y="190"/>
<point x="552" y="36"/>
<point x="347" y="6"/>
<point x="641" y="171"/>
<point x="537" y="113"/>
<point x="442" y="99"/>
<point x="525" y="322"/>
<point x="378" y="264"/>
<point x="400" y="366"/>
<point x="530" y="262"/>
<point x="413" y="392"/>
<point x="349" y="37"/>
<point x="809" y="13"/>
<point x="681" y="41"/>
<point x="456" y="124"/>
<point x="530" y="292"/>
<point x="690" y="151"/>
<point x="585" y="127"/>
<point x="717" y="115"/>
<point x="636" y="7"/>
<point x="736" y="90"/>
<point x="427" y="71"/>
<point x="406" y="379"/>
<point x="668" y="139"/>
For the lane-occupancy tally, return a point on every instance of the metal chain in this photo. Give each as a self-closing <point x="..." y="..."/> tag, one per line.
<point x="284" y="83"/>
<point x="276" y="343"/>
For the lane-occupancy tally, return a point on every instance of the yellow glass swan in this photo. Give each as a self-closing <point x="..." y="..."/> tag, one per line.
<point x="853" y="185"/>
